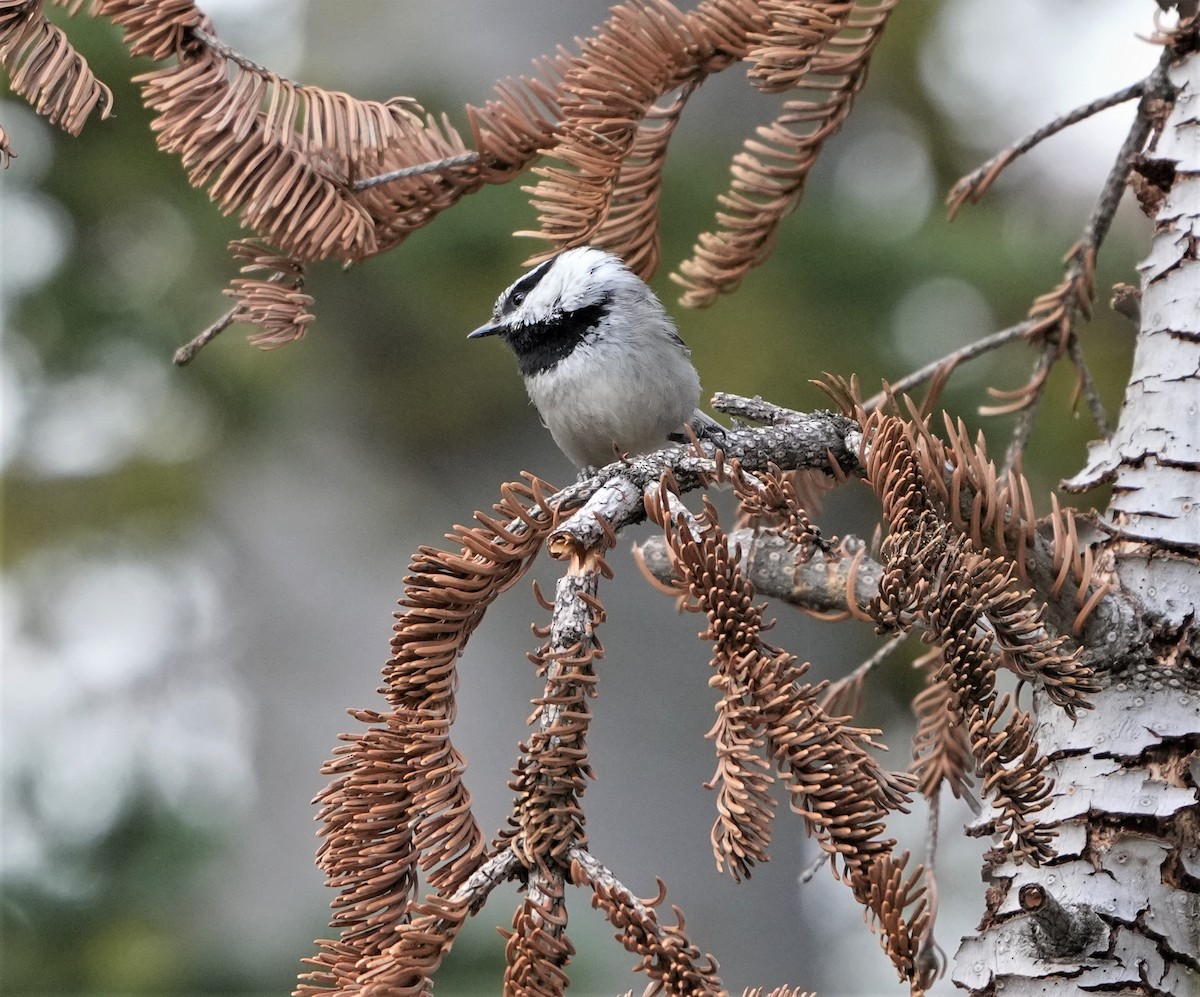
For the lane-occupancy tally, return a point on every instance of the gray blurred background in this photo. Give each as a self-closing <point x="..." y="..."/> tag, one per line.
<point x="199" y="566"/>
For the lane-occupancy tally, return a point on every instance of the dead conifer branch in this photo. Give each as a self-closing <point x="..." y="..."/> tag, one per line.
<point x="157" y="31"/>
<point x="817" y="582"/>
<point x="519" y="123"/>
<point x="769" y="498"/>
<point x="613" y="498"/>
<point x="537" y="948"/>
<point x="45" y="69"/>
<point x="643" y="52"/>
<point x="397" y="802"/>
<point x="1055" y="314"/>
<point x="741" y="834"/>
<point x="547" y="821"/>
<point x="247" y="158"/>
<point x="631" y="221"/>
<point x="551" y="775"/>
<point x="769" y="174"/>
<point x="940" y="750"/>
<point x="398" y="794"/>
<point x="323" y="175"/>
<point x="673" y="964"/>
<point x="286" y="156"/>
<point x="836" y="786"/>
<point x="890" y="899"/>
<point x="993" y="507"/>
<point x="276" y="303"/>
<point x="782" y="54"/>
<point x="973" y="592"/>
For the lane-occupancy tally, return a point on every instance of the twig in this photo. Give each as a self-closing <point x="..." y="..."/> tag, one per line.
<point x="672" y="962"/>
<point x="233" y="55"/>
<point x="435" y="166"/>
<point x="931" y="832"/>
<point x="931" y="958"/>
<point x="810" y="871"/>
<point x="755" y="409"/>
<point x="1024" y="427"/>
<point x="613" y="498"/>
<point x="952" y="360"/>
<point x="817" y="582"/>
<point x="479" y="885"/>
<point x="1157" y="86"/>
<point x="976" y="183"/>
<point x="1077" y="287"/>
<point x="823" y="584"/>
<point x="1087" y="388"/>
<point x="843" y="688"/>
<point x="552" y="771"/>
<point x="1074" y="295"/>
<point x="187" y="352"/>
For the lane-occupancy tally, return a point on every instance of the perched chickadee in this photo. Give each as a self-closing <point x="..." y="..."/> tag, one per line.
<point x="601" y="359"/>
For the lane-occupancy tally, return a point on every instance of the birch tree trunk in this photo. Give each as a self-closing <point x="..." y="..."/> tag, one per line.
<point x="1119" y="909"/>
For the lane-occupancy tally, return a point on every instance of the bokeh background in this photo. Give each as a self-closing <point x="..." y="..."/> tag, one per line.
<point x="199" y="566"/>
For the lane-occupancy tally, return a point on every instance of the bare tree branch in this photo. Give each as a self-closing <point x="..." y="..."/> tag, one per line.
<point x="975" y="184"/>
<point x="950" y="361"/>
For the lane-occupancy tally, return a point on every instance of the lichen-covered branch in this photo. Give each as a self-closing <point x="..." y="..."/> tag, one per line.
<point x="613" y="497"/>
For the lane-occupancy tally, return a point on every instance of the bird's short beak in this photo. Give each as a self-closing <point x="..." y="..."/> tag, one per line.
<point x="491" y="329"/>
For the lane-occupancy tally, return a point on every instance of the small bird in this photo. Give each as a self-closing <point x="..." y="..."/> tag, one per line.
<point x="600" y="356"/>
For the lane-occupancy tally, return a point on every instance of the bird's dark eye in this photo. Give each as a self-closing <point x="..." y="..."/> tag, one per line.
<point x="517" y="298"/>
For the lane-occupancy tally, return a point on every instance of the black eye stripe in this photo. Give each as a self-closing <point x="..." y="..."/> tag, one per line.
<point x="520" y="290"/>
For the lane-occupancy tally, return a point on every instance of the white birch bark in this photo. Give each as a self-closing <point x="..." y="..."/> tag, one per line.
<point x="1123" y="907"/>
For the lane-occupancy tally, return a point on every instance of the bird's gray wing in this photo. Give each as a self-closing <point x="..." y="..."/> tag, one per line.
<point x="704" y="426"/>
<point x="678" y="340"/>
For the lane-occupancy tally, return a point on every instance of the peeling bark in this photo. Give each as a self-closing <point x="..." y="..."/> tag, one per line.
<point x="1118" y="910"/>
<point x="1153" y="456"/>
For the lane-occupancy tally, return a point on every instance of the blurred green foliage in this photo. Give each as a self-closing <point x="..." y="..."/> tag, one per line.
<point x="144" y="267"/>
<point x="111" y="917"/>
